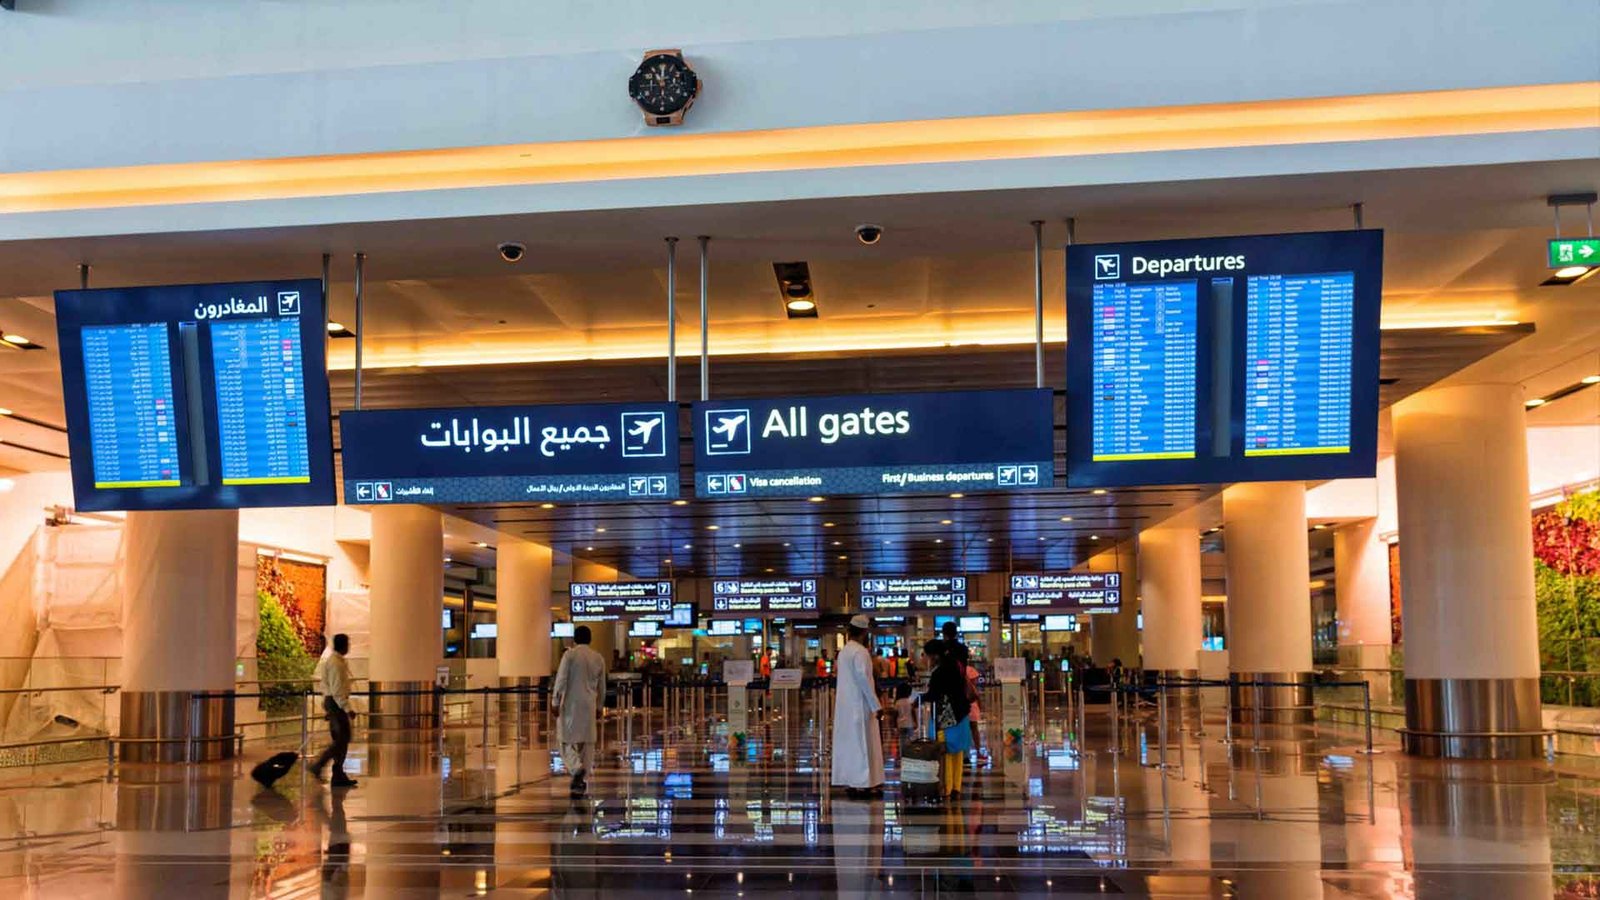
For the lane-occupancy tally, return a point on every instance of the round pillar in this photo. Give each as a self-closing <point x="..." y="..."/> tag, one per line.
<point x="1466" y="569"/>
<point x="1169" y="590"/>
<point x="1361" y="589"/>
<point x="1269" y="601"/>
<point x="522" y="596"/>
<point x="407" y="591"/>
<point x="180" y="610"/>
<point x="1116" y="635"/>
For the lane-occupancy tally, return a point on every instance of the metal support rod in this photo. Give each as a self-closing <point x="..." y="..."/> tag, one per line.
<point x="83" y="276"/>
<point x="1358" y="209"/>
<point x="705" y="322"/>
<point x="672" y="320"/>
<point x="361" y="331"/>
<point x="1038" y="309"/>
<point x="305" y="725"/>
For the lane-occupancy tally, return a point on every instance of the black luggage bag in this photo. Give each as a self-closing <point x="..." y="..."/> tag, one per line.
<point x="921" y="762"/>
<point x="274" y="767"/>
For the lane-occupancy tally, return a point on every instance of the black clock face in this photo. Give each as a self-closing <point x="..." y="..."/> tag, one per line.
<point x="663" y="84"/>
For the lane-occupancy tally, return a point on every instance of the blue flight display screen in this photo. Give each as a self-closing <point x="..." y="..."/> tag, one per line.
<point x="488" y="454"/>
<point x="913" y="593"/>
<point x="208" y="396"/>
<point x="1218" y="360"/>
<point x="776" y="596"/>
<point x="875" y="444"/>
<point x="133" y="425"/>
<point x="1144" y="354"/>
<point x="1297" y="363"/>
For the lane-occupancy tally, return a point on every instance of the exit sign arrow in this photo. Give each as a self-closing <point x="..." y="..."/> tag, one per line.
<point x="1574" y="252"/>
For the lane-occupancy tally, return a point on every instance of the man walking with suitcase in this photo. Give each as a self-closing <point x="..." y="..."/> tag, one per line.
<point x="332" y="677"/>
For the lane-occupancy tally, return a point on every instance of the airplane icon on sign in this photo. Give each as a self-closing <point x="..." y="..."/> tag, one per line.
<point x="728" y="431"/>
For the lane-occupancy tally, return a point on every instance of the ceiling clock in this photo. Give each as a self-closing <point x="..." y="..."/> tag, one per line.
<point x="664" y="87"/>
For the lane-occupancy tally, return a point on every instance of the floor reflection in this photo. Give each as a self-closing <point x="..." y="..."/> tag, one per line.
<point x="679" y="809"/>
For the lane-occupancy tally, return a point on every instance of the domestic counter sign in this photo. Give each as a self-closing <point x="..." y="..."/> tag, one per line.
<point x="874" y="444"/>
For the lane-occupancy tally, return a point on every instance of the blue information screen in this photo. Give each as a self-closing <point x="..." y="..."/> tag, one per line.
<point x="1297" y="359"/>
<point x="1144" y="352"/>
<point x="133" y="425"/>
<point x="1217" y="360"/>
<point x="197" y="396"/>
<point x="488" y="454"/>
<point x="875" y="444"/>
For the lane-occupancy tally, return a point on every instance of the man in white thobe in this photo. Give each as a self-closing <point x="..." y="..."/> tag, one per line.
<point x="857" y="747"/>
<point x="580" y="686"/>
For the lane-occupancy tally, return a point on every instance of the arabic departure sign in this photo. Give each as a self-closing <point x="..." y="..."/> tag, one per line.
<point x="486" y="454"/>
<point x="1073" y="592"/>
<point x="874" y="444"/>
<point x="597" y="601"/>
<point x="779" y="596"/>
<point x="940" y="592"/>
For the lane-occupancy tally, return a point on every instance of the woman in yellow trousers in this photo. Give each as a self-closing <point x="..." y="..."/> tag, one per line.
<point x="947" y="698"/>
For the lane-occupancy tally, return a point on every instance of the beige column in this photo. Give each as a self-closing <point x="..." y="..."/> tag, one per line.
<point x="179" y="621"/>
<point x="1117" y="636"/>
<point x="1361" y="586"/>
<point x="1169" y="588"/>
<point x="1269" y="600"/>
<point x="407" y="590"/>
<point x="1466" y="569"/>
<point x="604" y="633"/>
<point x="522" y="595"/>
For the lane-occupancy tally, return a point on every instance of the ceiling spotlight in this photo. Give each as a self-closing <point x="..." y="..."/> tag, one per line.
<point x="600" y="530"/>
<point x="843" y="556"/>
<point x="1572" y="271"/>
<point x="816" y="499"/>
<point x="1098" y="491"/>
<point x="688" y="546"/>
<point x="1066" y="518"/>
<point x="938" y="540"/>
<point x="4" y="411"/>
<point x="947" y="521"/>
<point x="338" y="330"/>
<point x="827" y="524"/>
<point x="547" y="506"/>
<point x="589" y="548"/>
<point x="1587" y="379"/>
<point x="713" y="527"/>
<point x="768" y="569"/>
<point x="18" y="342"/>
<point x="836" y="543"/>
<point x="479" y="544"/>
<point x="680" y="503"/>
<point x="786" y="543"/>
<point x="957" y="496"/>
<point x="1568" y="275"/>
<point x="1319" y="527"/>
<point x="737" y="546"/>
<point x="1094" y="537"/>
<point x="668" y="561"/>
<point x="794" y="286"/>
<point x="1536" y="401"/>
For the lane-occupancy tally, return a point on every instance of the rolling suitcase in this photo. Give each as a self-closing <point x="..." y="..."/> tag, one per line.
<point x="274" y="767"/>
<point x="920" y="764"/>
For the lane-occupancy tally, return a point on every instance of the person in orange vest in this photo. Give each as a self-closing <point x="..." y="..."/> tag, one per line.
<point x="766" y="664"/>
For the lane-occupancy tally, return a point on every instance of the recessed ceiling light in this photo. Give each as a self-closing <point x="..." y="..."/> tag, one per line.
<point x="4" y="411"/>
<point x="786" y="543"/>
<point x="827" y="524"/>
<point x="1572" y="271"/>
<point x="887" y="541"/>
<point x="1098" y="491"/>
<point x="600" y="530"/>
<point x="17" y="339"/>
<point x="1536" y="401"/>
<point x="991" y="540"/>
<point x="801" y="305"/>
<point x="767" y="569"/>
<point x="588" y="548"/>
<point x="335" y="326"/>
<point x="947" y="521"/>
<point x="938" y="540"/>
<point x="1587" y="379"/>
<point x="547" y="506"/>
<point x="836" y="543"/>
<point x="1066" y="518"/>
<point x="1094" y="537"/>
<point x="479" y="544"/>
<point x="668" y="561"/>
<point x="737" y="546"/>
<point x="957" y="496"/>
<point x="1041" y="537"/>
<point x="1318" y="527"/>
<point x="680" y="503"/>
<point x="843" y="556"/>
<point x="688" y="546"/>
<point x="816" y="499"/>
<point x="713" y="527"/>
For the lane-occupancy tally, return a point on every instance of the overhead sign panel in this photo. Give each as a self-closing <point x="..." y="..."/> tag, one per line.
<point x="197" y="396"/>
<point x="1223" y="359"/>
<point x="595" y="601"/>
<point x="938" y="592"/>
<point x="1033" y="594"/>
<point x="1574" y="252"/>
<point x="775" y="596"/>
<point x="490" y="454"/>
<point x="874" y="444"/>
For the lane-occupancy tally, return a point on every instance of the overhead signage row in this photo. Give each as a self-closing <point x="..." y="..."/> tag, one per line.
<point x="765" y="596"/>
<point x="599" y="601"/>
<point x="1036" y="593"/>
<point x="914" y="594"/>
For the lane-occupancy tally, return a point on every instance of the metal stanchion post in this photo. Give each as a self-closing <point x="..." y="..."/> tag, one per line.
<point x="305" y="728"/>
<point x="485" y="720"/>
<point x="1366" y="705"/>
<point x="1116" y="724"/>
<point x="1227" y="717"/>
<point x="1256" y="729"/>
<point x="1161" y="731"/>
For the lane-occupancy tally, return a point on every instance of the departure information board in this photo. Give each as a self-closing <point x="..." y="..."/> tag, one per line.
<point x="1297" y="360"/>
<point x="875" y="444"/>
<point x="133" y="426"/>
<point x="197" y="396"/>
<point x="1217" y="360"/>
<point x="775" y="596"/>
<point x="1035" y="593"/>
<point x="939" y="592"/>
<point x="1144" y="364"/>
<point x="603" y="601"/>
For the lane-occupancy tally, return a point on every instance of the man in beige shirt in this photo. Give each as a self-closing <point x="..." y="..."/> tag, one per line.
<point x="333" y="679"/>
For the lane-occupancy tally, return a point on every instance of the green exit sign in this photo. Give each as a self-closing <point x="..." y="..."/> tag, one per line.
<point x="1574" y="252"/>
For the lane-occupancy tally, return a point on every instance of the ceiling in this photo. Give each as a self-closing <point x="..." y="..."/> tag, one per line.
<point x="945" y="300"/>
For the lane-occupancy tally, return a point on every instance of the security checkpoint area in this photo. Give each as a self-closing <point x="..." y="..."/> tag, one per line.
<point x="469" y="450"/>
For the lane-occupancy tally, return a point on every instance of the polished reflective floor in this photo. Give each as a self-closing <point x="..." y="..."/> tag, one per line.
<point x="1080" y="809"/>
